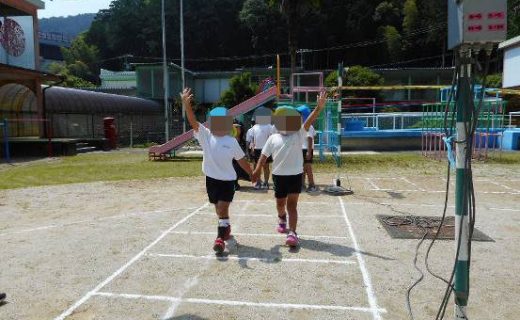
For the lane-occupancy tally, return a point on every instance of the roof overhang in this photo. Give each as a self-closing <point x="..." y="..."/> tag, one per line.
<point x="513" y="42"/>
<point x="8" y="72"/>
<point x="37" y="3"/>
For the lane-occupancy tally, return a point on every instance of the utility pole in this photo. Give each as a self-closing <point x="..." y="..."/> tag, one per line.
<point x="472" y="26"/>
<point x="182" y="64"/>
<point x="166" y="77"/>
<point x="462" y="240"/>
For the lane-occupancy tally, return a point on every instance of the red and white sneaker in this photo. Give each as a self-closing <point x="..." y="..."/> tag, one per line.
<point x="219" y="246"/>
<point x="292" y="239"/>
<point x="227" y="234"/>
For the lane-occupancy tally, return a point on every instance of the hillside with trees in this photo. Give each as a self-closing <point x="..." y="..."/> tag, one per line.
<point x="71" y="25"/>
<point x="230" y="34"/>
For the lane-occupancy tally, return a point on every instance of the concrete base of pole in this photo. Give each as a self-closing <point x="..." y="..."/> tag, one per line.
<point x="460" y="312"/>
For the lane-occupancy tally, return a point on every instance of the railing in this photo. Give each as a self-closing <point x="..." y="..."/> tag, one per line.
<point x="55" y="36"/>
<point x="511" y="115"/>
<point x="385" y="121"/>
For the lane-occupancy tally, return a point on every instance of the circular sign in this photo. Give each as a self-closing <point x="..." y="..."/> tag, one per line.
<point x="12" y="37"/>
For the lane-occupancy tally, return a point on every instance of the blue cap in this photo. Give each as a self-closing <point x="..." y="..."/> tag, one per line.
<point x="218" y="112"/>
<point x="304" y="110"/>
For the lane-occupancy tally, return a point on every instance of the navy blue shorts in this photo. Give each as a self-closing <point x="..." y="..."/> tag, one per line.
<point x="220" y="190"/>
<point x="285" y="185"/>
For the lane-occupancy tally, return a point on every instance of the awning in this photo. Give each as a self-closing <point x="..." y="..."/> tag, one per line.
<point x="8" y="72"/>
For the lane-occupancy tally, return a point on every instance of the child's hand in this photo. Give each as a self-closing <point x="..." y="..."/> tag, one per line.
<point x="322" y="99"/>
<point x="255" y="176"/>
<point x="187" y="96"/>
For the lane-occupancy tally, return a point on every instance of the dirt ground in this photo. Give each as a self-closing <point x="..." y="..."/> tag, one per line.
<point x="142" y="250"/>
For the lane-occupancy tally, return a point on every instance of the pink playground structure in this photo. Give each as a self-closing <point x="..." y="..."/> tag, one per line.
<point x="164" y="151"/>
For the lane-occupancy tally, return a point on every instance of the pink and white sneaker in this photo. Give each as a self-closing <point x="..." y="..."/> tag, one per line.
<point x="282" y="225"/>
<point x="282" y="228"/>
<point x="292" y="239"/>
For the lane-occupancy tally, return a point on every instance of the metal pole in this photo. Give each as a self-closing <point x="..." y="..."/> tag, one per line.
<point x="462" y="241"/>
<point x="166" y="77"/>
<point x="278" y="85"/>
<point x="182" y="64"/>
<point x="131" y="135"/>
<point x="7" y="154"/>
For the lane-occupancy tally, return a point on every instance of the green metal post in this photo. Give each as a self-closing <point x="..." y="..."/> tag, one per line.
<point x="463" y="102"/>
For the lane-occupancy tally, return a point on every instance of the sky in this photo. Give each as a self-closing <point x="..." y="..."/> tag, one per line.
<point x="57" y="8"/>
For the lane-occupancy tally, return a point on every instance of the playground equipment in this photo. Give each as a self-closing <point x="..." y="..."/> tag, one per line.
<point x="487" y="138"/>
<point x="164" y="151"/>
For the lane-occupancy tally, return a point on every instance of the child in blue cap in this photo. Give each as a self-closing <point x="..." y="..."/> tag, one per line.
<point x="219" y="149"/>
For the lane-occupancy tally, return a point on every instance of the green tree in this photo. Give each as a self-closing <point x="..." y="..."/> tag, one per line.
<point x="393" y="42"/>
<point x="411" y="15"/>
<point x="513" y="25"/>
<point x="265" y="25"/>
<point x="70" y="80"/>
<point x="81" y="59"/>
<point x="294" y="12"/>
<point x="357" y="76"/>
<point x="387" y="13"/>
<point x="240" y="89"/>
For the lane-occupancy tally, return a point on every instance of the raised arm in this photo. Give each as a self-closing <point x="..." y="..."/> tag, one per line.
<point x="187" y="98"/>
<point x="322" y="98"/>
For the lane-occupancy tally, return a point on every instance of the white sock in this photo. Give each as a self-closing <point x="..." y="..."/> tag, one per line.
<point x="223" y="222"/>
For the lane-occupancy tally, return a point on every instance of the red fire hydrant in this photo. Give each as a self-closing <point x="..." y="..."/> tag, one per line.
<point x="110" y="131"/>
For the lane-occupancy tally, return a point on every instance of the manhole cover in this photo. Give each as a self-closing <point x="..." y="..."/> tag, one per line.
<point x="414" y="227"/>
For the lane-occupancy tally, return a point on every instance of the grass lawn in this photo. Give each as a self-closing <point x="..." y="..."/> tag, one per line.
<point x="134" y="165"/>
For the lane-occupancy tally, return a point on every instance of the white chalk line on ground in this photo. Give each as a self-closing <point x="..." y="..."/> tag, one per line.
<point x="267" y="235"/>
<point x="270" y="201"/>
<point x="89" y="294"/>
<point x="505" y="209"/>
<point x="235" y="303"/>
<point x="192" y="281"/>
<point x="503" y="186"/>
<point x="395" y="204"/>
<point x="67" y="224"/>
<point x="413" y="184"/>
<point x="441" y="191"/>
<point x="188" y="284"/>
<point x="238" y="258"/>
<point x="374" y="186"/>
<point x="274" y="215"/>
<point x="372" y="300"/>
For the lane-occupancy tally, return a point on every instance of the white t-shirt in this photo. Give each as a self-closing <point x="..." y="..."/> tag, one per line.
<point x="310" y="134"/>
<point x="261" y="132"/>
<point x="287" y="152"/>
<point x="249" y="135"/>
<point x="218" y="154"/>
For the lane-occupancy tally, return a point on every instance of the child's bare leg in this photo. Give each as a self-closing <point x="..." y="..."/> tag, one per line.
<point x="280" y="207"/>
<point x="222" y="209"/>
<point x="308" y="170"/>
<point x="292" y="210"/>
<point x="266" y="172"/>
<point x="223" y="229"/>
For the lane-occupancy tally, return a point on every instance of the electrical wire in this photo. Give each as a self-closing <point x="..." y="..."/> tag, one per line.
<point x="469" y="200"/>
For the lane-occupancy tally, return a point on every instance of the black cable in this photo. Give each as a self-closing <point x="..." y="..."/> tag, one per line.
<point x="469" y="199"/>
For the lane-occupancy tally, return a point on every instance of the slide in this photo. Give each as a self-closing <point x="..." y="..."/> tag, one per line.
<point x="162" y="151"/>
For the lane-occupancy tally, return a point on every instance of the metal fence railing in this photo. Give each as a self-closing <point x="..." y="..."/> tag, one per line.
<point x="383" y="121"/>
